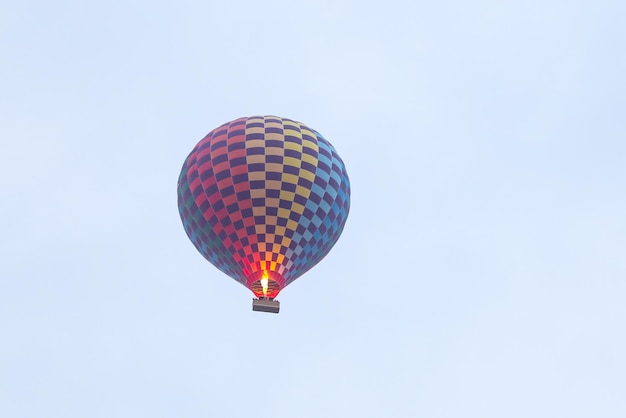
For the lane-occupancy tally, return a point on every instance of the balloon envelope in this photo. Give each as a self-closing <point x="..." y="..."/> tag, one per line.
<point x="264" y="199"/>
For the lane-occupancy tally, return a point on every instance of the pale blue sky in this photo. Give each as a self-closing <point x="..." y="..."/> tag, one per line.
<point x="482" y="269"/>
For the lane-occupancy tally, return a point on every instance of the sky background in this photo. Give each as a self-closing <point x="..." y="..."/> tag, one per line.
<point x="482" y="270"/>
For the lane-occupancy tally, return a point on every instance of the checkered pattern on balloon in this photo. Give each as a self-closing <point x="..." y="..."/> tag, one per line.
<point x="264" y="199"/>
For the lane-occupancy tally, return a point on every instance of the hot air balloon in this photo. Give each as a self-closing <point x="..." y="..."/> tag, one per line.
<point x="264" y="199"/>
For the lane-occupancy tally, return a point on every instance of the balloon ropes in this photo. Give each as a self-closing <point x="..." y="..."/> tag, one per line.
<point x="264" y="199"/>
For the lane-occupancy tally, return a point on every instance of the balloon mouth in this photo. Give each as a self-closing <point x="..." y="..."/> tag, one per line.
<point x="265" y="284"/>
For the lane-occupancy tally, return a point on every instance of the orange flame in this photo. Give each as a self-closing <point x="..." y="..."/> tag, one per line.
<point x="265" y="282"/>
